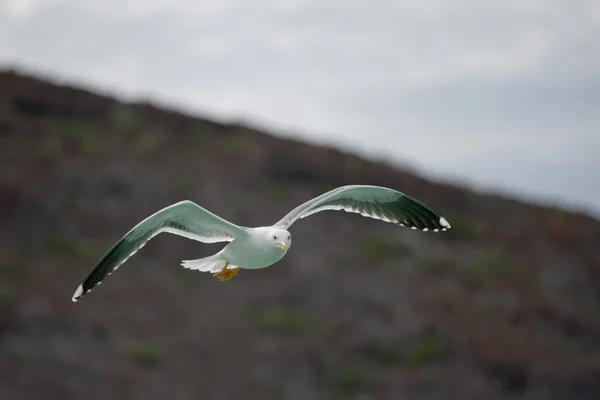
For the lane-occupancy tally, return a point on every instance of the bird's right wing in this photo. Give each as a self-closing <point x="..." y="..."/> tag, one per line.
<point x="184" y="218"/>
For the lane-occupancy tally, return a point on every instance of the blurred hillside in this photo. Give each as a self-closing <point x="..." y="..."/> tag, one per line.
<point x="506" y="305"/>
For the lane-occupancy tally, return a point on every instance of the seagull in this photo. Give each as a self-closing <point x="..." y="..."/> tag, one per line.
<point x="258" y="247"/>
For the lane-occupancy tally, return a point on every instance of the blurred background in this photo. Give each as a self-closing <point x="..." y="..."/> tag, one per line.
<point x="486" y="111"/>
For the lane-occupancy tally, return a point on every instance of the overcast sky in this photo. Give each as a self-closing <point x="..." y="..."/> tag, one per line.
<point x="504" y="95"/>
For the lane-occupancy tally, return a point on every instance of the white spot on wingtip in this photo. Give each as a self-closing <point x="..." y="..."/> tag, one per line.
<point x="77" y="293"/>
<point x="444" y="223"/>
<point x="414" y="228"/>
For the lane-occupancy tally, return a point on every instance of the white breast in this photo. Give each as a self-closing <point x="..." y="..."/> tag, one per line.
<point x="252" y="253"/>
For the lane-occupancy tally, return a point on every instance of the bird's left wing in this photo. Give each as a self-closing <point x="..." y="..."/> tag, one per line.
<point x="184" y="218"/>
<point x="374" y="202"/>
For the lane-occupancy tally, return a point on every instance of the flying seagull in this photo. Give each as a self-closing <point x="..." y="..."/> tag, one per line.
<point x="259" y="247"/>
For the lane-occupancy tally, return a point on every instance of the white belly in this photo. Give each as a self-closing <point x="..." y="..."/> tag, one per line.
<point x="248" y="255"/>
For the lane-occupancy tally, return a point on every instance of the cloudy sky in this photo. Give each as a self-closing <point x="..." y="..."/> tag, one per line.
<point x="502" y="95"/>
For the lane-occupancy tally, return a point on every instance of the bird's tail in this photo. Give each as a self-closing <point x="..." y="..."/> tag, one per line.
<point x="212" y="264"/>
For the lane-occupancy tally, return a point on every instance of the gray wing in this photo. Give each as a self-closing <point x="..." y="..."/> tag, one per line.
<point x="374" y="202"/>
<point x="184" y="218"/>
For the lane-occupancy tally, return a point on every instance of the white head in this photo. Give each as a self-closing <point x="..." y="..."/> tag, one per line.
<point x="280" y="238"/>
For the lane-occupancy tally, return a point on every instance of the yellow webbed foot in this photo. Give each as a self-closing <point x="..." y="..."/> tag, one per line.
<point x="226" y="274"/>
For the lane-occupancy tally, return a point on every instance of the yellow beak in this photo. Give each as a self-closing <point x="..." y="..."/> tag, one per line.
<point x="283" y="246"/>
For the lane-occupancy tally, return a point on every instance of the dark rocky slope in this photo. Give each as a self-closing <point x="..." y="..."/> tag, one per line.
<point x="504" y="306"/>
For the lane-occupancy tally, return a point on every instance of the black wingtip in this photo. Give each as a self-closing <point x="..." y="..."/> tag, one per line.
<point x="105" y="267"/>
<point x="419" y="216"/>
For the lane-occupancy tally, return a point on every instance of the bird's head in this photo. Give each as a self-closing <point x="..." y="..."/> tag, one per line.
<point x="280" y="238"/>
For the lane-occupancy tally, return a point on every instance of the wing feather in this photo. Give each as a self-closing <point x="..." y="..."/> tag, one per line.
<point x="374" y="202"/>
<point x="184" y="218"/>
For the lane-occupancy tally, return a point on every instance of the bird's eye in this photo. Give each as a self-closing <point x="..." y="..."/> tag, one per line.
<point x="289" y="236"/>
<point x="274" y="237"/>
